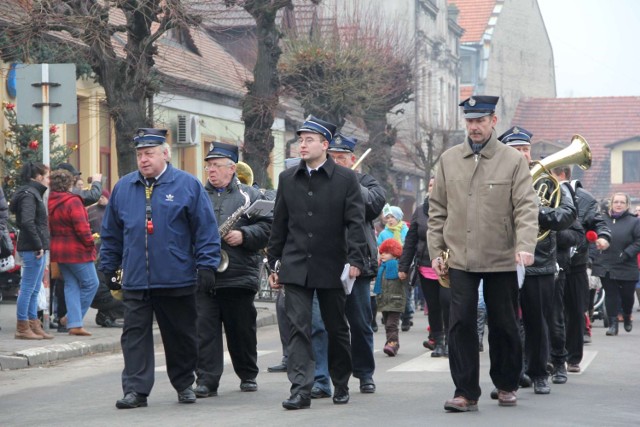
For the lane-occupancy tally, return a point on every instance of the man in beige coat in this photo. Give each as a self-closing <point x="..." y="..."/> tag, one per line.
<point x="483" y="209"/>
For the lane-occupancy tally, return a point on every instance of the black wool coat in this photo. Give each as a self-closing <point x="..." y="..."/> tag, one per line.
<point x="311" y="218"/>
<point x="619" y="260"/>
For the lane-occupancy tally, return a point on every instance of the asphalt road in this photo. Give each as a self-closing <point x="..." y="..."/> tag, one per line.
<point x="412" y="388"/>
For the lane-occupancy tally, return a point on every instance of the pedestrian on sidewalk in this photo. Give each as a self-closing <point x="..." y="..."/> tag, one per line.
<point x="73" y="248"/>
<point x="33" y="247"/>
<point x="6" y="245"/>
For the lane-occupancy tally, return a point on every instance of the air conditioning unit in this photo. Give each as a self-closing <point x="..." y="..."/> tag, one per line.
<point x="188" y="132"/>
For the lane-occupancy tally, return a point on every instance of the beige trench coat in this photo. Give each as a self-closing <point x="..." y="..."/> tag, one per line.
<point x="482" y="208"/>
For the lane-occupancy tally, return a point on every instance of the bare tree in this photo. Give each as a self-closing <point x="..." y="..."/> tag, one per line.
<point x="359" y="71"/>
<point x="119" y="40"/>
<point x="426" y="152"/>
<point x="261" y="101"/>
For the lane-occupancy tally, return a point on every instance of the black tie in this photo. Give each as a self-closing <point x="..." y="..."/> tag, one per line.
<point x="150" y="181"/>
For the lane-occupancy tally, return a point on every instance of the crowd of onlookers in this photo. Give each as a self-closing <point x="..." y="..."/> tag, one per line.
<point x="60" y="227"/>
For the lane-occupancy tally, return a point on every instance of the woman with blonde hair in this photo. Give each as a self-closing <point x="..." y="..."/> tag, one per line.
<point x="617" y="266"/>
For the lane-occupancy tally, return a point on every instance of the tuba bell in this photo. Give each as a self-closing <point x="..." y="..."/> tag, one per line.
<point x="244" y="173"/>
<point x="546" y="185"/>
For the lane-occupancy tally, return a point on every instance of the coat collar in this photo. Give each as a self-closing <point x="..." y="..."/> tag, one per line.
<point x="328" y="167"/>
<point x="488" y="151"/>
<point x="167" y="176"/>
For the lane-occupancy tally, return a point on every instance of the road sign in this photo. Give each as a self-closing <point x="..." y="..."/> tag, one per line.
<point x="57" y="88"/>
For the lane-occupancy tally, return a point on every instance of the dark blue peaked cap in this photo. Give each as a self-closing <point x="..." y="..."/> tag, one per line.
<point x="343" y="143"/>
<point x="315" y="125"/>
<point x="222" y="150"/>
<point x="516" y="136"/>
<point x="479" y="106"/>
<point x="149" y="137"/>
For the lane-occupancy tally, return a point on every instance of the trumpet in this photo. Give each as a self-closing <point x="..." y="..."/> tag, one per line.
<point x="444" y="279"/>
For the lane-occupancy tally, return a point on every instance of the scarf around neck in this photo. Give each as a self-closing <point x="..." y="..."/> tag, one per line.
<point x="390" y="271"/>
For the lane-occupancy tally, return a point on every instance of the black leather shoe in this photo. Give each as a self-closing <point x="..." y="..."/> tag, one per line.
<point x="367" y="385"/>
<point x="318" y="393"/>
<point x="541" y="385"/>
<point x="494" y="394"/>
<point x="297" y="402"/>
<point x="249" y="385"/>
<point x="341" y="395"/>
<point x="187" y="396"/>
<point x="132" y="400"/>
<point x="525" y="381"/>
<point x="202" y="390"/>
<point x="278" y="368"/>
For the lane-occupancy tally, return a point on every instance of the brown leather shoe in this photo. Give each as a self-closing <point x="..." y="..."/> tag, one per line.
<point x="461" y="404"/>
<point x="79" y="331"/>
<point x="507" y="398"/>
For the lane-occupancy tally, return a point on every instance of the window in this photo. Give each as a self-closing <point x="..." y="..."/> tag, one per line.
<point x="467" y="68"/>
<point x="630" y="169"/>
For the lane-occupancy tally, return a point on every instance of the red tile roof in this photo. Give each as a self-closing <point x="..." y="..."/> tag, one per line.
<point x="474" y="17"/>
<point x="601" y="121"/>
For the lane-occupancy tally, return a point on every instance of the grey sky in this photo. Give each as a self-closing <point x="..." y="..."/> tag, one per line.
<point x="595" y="46"/>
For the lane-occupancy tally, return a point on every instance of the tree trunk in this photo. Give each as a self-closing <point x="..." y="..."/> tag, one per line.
<point x="260" y="102"/>
<point x="381" y="139"/>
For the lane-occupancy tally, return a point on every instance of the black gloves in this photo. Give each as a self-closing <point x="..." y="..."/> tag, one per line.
<point x="112" y="281"/>
<point x="206" y="280"/>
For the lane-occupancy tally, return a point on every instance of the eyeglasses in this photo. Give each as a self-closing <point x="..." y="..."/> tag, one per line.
<point x="307" y="141"/>
<point x="208" y="168"/>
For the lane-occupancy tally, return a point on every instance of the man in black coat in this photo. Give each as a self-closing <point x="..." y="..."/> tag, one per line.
<point x="576" y="291"/>
<point x="358" y="308"/>
<point x="536" y="293"/>
<point x="317" y="204"/>
<point x="230" y="304"/>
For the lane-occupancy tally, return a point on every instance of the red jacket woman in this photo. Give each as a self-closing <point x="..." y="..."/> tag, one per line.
<point x="72" y="247"/>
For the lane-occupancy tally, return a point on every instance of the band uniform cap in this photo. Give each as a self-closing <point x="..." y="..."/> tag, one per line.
<point x="342" y="143"/>
<point x="149" y="137"/>
<point x="315" y="125"/>
<point x="479" y="106"/>
<point x="69" y="167"/>
<point x="516" y="136"/>
<point x="219" y="150"/>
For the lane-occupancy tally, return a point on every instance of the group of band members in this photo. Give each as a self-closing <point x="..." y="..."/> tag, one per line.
<point x="161" y="229"/>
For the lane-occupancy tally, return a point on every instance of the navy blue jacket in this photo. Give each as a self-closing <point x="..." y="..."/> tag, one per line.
<point x="185" y="235"/>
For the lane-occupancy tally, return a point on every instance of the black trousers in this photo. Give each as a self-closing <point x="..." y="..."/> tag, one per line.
<point x="234" y="309"/>
<point x="298" y="303"/>
<point x="536" y="301"/>
<point x="283" y="324"/>
<point x="568" y="325"/>
<point x="618" y="293"/>
<point x="438" y="299"/>
<point x="505" y="348"/>
<point x="176" y="317"/>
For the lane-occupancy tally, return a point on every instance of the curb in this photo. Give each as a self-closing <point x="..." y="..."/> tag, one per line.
<point x="39" y="356"/>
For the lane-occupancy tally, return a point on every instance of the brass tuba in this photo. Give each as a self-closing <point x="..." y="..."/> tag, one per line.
<point x="546" y="185"/>
<point x="244" y="173"/>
